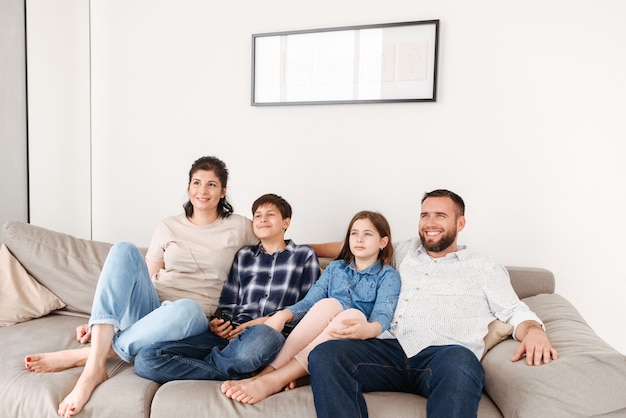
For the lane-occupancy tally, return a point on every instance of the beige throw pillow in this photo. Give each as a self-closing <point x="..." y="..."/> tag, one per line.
<point x="22" y="297"/>
<point x="497" y="332"/>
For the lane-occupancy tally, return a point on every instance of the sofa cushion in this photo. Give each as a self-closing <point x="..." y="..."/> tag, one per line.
<point x="204" y="399"/>
<point x="68" y="266"/>
<point x="28" y="394"/>
<point x="574" y="385"/>
<point x="22" y="297"/>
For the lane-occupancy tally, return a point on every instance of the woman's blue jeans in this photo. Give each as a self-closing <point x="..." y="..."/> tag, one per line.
<point x="126" y="298"/>
<point x="450" y="377"/>
<point x="209" y="357"/>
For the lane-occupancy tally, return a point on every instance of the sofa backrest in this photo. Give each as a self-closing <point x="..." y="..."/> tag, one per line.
<point x="69" y="266"/>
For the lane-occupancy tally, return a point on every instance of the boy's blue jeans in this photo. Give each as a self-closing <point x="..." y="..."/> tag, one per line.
<point x="209" y="357"/>
<point x="126" y="298"/>
<point x="449" y="376"/>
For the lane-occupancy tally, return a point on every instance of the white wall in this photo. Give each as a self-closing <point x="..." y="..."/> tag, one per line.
<point x="527" y="128"/>
<point x="58" y="115"/>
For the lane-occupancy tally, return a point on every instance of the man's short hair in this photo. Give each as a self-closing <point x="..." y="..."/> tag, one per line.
<point x="458" y="201"/>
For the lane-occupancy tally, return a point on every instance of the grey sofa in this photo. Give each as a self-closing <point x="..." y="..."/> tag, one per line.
<point x="588" y="380"/>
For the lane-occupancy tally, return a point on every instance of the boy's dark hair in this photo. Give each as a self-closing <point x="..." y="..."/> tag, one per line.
<point x="458" y="201"/>
<point x="270" y="198"/>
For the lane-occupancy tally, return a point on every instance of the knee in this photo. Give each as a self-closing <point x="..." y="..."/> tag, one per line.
<point x="188" y="313"/>
<point x="348" y="314"/>
<point x="261" y="338"/>
<point x="146" y="362"/>
<point x="460" y="364"/>
<point x="328" y="305"/>
<point x="123" y="255"/>
<point x="326" y="356"/>
<point x="123" y="249"/>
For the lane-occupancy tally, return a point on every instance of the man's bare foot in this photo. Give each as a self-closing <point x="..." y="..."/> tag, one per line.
<point x="91" y="377"/>
<point x="57" y="360"/>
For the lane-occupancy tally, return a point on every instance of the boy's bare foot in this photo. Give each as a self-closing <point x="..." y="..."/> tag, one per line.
<point x="92" y="376"/>
<point x="57" y="360"/>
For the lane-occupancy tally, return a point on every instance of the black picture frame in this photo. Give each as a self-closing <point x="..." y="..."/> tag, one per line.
<point x="378" y="63"/>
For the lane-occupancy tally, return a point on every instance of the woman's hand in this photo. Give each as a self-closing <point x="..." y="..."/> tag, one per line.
<point x="83" y="334"/>
<point x="357" y="329"/>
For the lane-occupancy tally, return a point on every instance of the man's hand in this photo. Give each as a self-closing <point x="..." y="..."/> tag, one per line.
<point x="357" y="329"/>
<point x="535" y="344"/>
<point x="83" y="334"/>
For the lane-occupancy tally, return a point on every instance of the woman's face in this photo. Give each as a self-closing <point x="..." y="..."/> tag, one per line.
<point x="205" y="190"/>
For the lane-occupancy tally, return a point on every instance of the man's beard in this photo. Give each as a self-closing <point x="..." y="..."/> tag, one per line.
<point x="444" y="242"/>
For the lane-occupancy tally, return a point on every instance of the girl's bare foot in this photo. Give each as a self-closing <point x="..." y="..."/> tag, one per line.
<point x="57" y="360"/>
<point x="92" y="376"/>
<point x="230" y="383"/>
<point x="254" y="389"/>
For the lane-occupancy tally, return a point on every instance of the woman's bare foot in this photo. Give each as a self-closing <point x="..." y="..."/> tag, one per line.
<point x="92" y="376"/>
<point x="57" y="360"/>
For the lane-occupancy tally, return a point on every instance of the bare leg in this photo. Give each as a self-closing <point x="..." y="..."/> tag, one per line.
<point x="95" y="371"/>
<point x="57" y="360"/>
<point x="257" y="388"/>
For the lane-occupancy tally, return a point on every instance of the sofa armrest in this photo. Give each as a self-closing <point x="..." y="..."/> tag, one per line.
<point x="586" y="380"/>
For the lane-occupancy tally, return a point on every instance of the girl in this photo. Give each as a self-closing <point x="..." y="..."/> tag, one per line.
<point x="354" y="298"/>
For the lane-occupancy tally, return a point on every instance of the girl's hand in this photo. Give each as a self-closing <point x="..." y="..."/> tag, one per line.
<point x="83" y="334"/>
<point x="357" y="329"/>
<point x="239" y="328"/>
<point x="279" y="319"/>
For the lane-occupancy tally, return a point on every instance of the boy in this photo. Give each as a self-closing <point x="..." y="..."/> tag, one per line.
<point x="264" y="278"/>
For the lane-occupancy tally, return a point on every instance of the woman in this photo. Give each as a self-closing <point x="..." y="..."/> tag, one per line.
<point x="186" y="266"/>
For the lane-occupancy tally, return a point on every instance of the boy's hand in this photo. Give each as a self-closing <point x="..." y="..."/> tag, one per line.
<point x="220" y="328"/>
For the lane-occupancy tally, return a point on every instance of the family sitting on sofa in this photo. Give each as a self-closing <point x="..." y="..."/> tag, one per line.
<point x="273" y="319"/>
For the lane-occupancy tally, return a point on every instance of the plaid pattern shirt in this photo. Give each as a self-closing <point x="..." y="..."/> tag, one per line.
<point x="259" y="283"/>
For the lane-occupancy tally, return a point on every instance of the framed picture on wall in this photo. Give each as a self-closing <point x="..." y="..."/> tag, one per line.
<point x="391" y="62"/>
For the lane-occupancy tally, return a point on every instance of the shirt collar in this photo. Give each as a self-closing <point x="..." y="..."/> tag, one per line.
<point x="461" y="254"/>
<point x="291" y="247"/>
<point x="373" y="269"/>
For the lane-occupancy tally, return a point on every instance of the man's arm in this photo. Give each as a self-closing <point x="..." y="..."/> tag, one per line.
<point x="535" y="344"/>
<point x="327" y="249"/>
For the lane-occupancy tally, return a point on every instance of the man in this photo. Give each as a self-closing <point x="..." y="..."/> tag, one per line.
<point x="449" y="296"/>
<point x="264" y="278"/>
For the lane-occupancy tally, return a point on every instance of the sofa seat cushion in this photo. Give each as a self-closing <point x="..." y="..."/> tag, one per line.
<point x="574" y="385"/>
<point x="204" y="399"/>
<point x="28" y="394"/>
